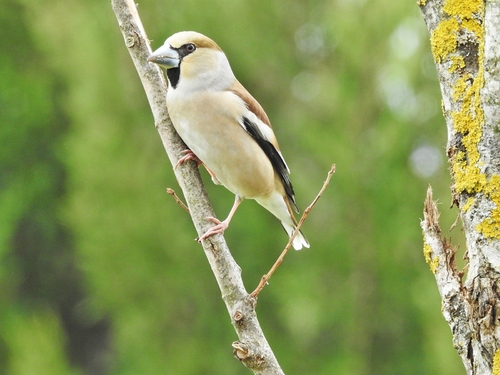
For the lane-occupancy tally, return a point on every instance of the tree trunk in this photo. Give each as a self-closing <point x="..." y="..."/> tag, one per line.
<point x="465" y="38"/>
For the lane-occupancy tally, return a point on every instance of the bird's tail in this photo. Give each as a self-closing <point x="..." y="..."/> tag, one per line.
<point x="300" y="240"/>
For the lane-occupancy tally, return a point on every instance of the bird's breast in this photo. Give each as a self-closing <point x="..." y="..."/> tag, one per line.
<point x="208" y="123"/>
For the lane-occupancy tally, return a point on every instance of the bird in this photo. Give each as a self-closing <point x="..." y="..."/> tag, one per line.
<point x="225" y="129"/>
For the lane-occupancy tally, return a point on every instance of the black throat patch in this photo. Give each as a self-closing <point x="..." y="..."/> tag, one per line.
<point x="173" y="75"/>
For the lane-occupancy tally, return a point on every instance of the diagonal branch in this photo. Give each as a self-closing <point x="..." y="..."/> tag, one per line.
<point x="252" y="348"/>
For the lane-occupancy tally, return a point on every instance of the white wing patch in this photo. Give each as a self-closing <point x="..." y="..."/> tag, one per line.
<point x="264" y="130"/>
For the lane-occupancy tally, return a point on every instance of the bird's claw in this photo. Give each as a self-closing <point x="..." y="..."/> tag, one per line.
<point x="219" y="228"/>
<point x="188" y="155"/>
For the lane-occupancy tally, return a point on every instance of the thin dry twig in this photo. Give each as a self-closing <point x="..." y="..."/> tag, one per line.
<point x="267" y="276"/>
<point x="177" y="199"/>
<point x="455" y="223"/>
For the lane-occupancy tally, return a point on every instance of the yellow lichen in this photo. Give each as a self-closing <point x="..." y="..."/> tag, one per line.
<point x="434" y="264"/>
<point x="430" y="259"/>
<point x="444" y="39"/>
<point x="427" y="252"/>
<point x="468" y="204"/>
<point x="462" y="86"/>
<point x="496" y="363"/>
<point x="473" y="26"/>
<point x="463" y="26"/>
<point x="463" y="9"/>
<point x="490" y="227"/>
<point x="457" y="62"/>
<point x="468" y="178"/>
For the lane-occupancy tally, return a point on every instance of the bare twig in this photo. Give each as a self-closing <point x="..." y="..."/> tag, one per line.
<point x="267" y="276"/>
<point x="454" y="223"/>
<point x="177" y="199"/>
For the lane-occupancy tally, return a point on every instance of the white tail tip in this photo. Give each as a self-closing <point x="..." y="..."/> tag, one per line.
<point x="299" y="241"/>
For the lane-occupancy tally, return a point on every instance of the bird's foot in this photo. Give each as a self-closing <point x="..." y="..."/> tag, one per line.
<point x="188" y="155"/>
<point x="219" y="228"/>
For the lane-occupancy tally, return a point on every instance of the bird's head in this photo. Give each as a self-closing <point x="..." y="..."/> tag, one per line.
<point x="194" y="58"/>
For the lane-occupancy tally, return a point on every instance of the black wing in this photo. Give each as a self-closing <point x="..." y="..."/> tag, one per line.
<point x="274" y="156"/>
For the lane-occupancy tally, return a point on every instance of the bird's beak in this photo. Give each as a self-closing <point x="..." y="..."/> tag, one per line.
<point x="166" y="57"/>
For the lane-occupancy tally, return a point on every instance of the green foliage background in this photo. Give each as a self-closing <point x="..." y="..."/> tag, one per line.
<point x="99" y="273"/>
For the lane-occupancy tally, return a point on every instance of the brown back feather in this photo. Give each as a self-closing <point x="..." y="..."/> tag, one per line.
<point x="252" y="104"/>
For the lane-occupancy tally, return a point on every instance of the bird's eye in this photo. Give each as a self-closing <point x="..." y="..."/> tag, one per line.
<point x="190" y="47"/>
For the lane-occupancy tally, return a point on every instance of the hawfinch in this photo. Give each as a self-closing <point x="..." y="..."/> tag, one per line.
<point x="225" y="129"/>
